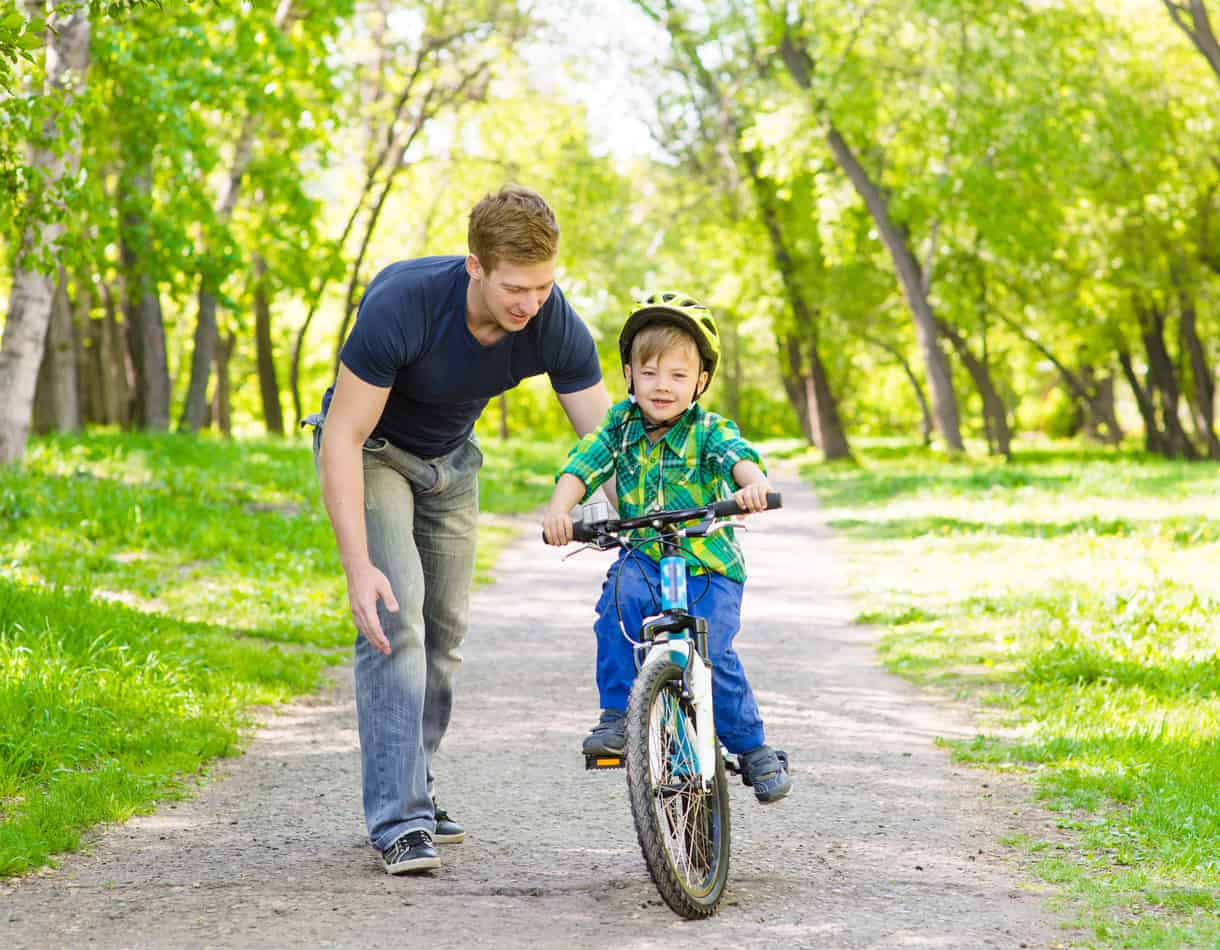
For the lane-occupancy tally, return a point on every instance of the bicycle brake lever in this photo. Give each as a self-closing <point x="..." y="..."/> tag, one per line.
<point x="705" y="528"/>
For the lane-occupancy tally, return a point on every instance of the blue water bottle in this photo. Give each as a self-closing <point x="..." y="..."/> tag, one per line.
<point x="673" y="583"/>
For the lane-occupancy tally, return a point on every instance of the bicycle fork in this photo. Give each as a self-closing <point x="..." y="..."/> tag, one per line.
<point x="679" y="648"/>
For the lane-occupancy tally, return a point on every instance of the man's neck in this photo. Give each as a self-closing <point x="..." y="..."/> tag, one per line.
<point x="479" y="321"/>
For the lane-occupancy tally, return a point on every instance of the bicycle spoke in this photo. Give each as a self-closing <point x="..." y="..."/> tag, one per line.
<point x="681" y="800"/>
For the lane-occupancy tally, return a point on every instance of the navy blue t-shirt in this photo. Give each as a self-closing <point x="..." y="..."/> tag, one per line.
<point x="411" y="335"/>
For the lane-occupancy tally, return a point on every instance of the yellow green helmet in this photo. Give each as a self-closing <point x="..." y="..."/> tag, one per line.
<point x="679" y="309"/>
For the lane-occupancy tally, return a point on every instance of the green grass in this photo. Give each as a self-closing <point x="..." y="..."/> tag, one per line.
<point x="1074" y="596"/>
<point x="155" y="590"/>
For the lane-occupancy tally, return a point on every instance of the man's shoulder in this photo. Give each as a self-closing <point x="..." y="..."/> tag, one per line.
<point x="419" y="273"/>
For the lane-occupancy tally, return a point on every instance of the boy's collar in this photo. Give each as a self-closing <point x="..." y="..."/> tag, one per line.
<point x="675" y="435"/>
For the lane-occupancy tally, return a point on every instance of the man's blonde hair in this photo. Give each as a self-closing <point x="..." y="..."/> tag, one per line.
<point x="515" y="224"/>
<point x="657" y="339"/>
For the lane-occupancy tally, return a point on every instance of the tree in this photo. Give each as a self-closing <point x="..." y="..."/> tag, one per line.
<point x="1198" y="27"/>
<point x="52" y="161"/>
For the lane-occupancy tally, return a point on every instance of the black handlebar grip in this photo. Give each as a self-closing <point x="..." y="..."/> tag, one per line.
<point x="723" y="509"/>
<point x="582" y="532"/>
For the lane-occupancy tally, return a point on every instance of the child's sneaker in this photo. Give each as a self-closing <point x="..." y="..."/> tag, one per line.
<point x="448" y="831"/>
<point x="766" y="769"/>
<point x="609" y="736"/>
<point x="411" y="853"/>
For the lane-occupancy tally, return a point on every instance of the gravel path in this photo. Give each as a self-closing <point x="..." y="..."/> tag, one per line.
<point x="884" y="843"/>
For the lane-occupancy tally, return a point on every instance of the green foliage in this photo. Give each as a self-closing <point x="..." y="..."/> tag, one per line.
<point x="156" y="588"/>
<point x="1068" y="593"/>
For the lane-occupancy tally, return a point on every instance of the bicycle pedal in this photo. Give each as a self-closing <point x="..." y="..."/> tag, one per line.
<point x="603" y="762"/>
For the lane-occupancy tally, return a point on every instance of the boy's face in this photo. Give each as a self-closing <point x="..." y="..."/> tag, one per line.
<point x="665" y="386"/>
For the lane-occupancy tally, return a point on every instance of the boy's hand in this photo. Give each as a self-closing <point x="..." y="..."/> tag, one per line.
<point x="752" y="497"/>
<point x="557" y="527"/>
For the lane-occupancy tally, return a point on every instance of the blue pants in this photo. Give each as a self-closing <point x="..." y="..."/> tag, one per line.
<point x="738" y="723"/>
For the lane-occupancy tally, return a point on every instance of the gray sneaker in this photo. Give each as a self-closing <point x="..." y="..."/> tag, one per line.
<point x="411" y="854"/>
<point x="609" y="736"/>
<point x="448" y="831"/>
<point x="766" y="769"/>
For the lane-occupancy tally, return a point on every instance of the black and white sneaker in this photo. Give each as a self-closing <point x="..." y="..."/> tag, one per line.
<point x="448" y="831"/>
<point x="411" y="854"/>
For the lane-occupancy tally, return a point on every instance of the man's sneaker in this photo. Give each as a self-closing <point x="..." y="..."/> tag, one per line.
<point x="766" y="769"/>
<point x="448" y="831"/>
<point x="411" y="853"/>
<point x="609" y="736"/>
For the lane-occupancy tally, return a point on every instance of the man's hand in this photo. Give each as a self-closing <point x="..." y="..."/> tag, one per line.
<point x="365" y="587"/>
<point x="557" y="527"/>
<point x="752" y="497"/>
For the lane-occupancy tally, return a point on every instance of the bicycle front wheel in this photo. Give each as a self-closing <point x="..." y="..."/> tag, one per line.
<point x="683" y="828"/>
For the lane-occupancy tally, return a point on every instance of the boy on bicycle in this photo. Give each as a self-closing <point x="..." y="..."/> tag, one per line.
<point x="666" y="451"/>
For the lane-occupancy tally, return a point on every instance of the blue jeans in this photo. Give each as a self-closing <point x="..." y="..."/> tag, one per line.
<point x="738" y="723"/>
<point x="421" y="518"/>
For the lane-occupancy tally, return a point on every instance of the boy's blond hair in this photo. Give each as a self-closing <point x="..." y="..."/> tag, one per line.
<point x="515" y="224"/>
<point x="656" y="339"/>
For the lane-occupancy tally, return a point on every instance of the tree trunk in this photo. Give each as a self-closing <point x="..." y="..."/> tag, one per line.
<point x="117" y="368"/>
<point x="793" y="377"/>
<point x="88" y="368"/>
<point x="54" y="156"/>
<point x="222" y="396"/>
<point x="1100" y="415"/>
<point x="825" y="409"/>
<point x="1199" y="29"/>
<point x="1154" y="439"/>
<point x="372" y="170"/>
<point x="502" y="401"/>
<point x="822" y="408"/>
<point x="352" y="298"/>
<point x="195" y="407"/>
<point x="940" y="380"/>
<point x="268" y="384"/>
<point x="995" y="415"/>
<point x="731" y="334"/>
<point x="920" y="398"/>
<point x="1163" y="381"/>
<point x="56" y="399"/>
<point x="204" y="352"/>
<point x="1202" y="395"/>
<point x="142" y="304"/>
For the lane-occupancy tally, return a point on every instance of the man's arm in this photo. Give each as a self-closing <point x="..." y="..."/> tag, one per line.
<point x="354" y="410"/>
<point x="586" y="408"/>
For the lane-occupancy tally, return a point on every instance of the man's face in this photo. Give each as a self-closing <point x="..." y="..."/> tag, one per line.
<point x="513" y="293"/>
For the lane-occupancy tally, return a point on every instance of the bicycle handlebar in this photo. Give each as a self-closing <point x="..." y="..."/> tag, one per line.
<point x="658" y="519"/>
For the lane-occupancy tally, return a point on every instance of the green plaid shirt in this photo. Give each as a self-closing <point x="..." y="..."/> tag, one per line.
<point x="690" y="466"/>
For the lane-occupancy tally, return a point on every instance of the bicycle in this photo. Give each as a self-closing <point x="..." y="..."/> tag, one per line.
<point x="675" y="767"/>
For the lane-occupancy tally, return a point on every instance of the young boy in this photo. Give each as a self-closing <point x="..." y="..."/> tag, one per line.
<point x="666" y="451"/>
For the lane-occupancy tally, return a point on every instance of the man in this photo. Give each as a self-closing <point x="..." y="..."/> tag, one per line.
<point x="434" y="340"/>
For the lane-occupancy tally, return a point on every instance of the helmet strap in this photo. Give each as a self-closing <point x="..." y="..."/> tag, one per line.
<point x="653" y="426"/>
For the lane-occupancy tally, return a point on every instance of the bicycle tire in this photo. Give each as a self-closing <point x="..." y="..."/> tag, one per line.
<point x="683" y="831"/>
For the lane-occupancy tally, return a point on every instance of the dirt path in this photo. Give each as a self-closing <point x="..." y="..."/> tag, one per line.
<point x="884" y="843"/>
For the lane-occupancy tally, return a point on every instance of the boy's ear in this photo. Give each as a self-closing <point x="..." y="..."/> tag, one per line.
<point x="701" y="384"/>
<point x="627" y="376"/>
